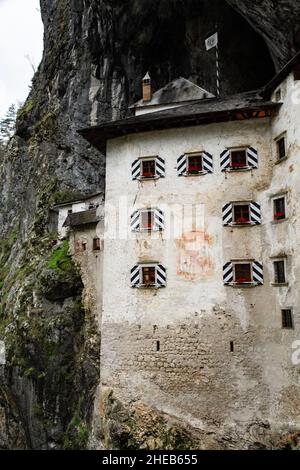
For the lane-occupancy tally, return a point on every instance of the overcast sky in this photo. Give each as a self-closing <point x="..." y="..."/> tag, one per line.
<point x="21" y="35"/>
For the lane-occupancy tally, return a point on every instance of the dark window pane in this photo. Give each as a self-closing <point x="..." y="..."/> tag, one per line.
<point x="279" y="269"/>
<point x="148" y="276"/>
<point x="241" y="214"/>
<point x="238" y="158"/>
<point x="96" y="244"/>
<point x="281" y="153"/>
<point x="148" y="168"/>
<point x="195" y="164"/>
<point x="243" y="273"/>
<point x="279" y="209"/>
<point x="147" y="221"/>
<point x="287" y="319"/>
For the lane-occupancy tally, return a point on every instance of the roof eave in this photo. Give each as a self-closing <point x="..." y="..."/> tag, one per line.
<point x="121" y="128"/>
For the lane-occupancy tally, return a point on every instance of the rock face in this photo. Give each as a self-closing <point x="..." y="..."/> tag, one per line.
<point x="95" y="55"/>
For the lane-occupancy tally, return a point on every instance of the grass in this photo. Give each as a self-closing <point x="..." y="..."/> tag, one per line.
<point x="60" y="258"/>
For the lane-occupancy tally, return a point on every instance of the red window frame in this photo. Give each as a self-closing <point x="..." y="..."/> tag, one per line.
<point x="279" y="208"/>
<point x="148" y="275"/>
<point x="243" y="273"/>
<point x="194" y="164"/>
<point x="241" y="214"/>
<point x="148" y="168"/>
<point x="238" y="159"/>
<point x="150" y="222"/>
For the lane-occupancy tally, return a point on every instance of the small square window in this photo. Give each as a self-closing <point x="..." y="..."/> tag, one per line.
<point x="70" y="211"/>
<point x="195" y="165"/>
<point x="281" y="148"/>
<point x="279" y="208"/>
<point x="279" y="272"/>
<point x="239" y="159"/>
<point x="147" y="220"/>
<point x="96" y="244"/>
<point x="243" y="273"/>
<point x="83" y="246"/>
<point x="278" y="95"/>
<point x="297" y="73"/>
<point x="287" y="319"/>
<point x="148" y="169"/>
<point x="148" y="275"/>
<point x="241" y="214"/>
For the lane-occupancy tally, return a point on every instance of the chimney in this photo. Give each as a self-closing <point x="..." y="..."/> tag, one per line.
<point x="146" y="84"/>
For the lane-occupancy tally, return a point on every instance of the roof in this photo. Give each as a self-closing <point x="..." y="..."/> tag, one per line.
<point x="82" y="218"/>
<point x="177" y="91"/>
<point x="200" y="112"/>
<point x="284" y="72"/>
<point x="78" y="199"/>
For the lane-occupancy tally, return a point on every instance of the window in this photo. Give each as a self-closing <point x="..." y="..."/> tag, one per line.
<point x="281" y="148"/>
<point x="147" y="220"/>
<point x="278" y="95"/>
<point x="279" y="272"/>
<point x="297" y="73"/>
<point x="243" y="273"/>
<point x="239" y="159"/>
<point x="148" y="168"/>
<point x="70" y="211"/>
<point x="96" y="244"/>
<point x="83" y="246"/>
<point x="287" y="319"/>
<point x="194" y="164"/>
<point x="279" y="208"/>
<point x="241" y="214"/>
<point x="148" y="275"/>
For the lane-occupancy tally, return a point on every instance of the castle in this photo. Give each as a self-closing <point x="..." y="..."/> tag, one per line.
<point x="199" y="303"/>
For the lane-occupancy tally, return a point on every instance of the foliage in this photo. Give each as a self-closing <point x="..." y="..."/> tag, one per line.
<point x="60" y="258"/>
<point x="8" y="125"/>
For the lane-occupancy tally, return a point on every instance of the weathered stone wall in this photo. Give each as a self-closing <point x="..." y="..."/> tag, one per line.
<point x="195" y="376"/>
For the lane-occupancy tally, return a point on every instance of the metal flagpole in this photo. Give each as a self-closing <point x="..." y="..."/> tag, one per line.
<point x="218" y="70"/>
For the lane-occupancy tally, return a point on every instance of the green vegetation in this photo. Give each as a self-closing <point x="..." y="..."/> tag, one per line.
<point x="60" y="258"/>
<point x="76" y="435"/>
<point x="26" y="109"/>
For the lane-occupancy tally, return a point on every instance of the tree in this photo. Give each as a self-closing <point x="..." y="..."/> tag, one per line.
<point x="7" y="125"/>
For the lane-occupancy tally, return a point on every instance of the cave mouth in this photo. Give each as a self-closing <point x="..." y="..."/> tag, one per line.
<point x="175" y="46"/>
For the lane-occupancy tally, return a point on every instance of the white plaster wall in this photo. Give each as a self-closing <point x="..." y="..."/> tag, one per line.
<point x="258" y="381"/>
<point x="210" y="191"/>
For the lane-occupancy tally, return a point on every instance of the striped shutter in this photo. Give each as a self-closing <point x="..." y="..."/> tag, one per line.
<point x="135" y="221"/>
<point x="135" y="276"/>
<point x="182" y="165"/>
<point x="255" y="213"/>
<point x="252" y="157"/>
<point x="225" y="160"/>
<point x="258" y="274"/>
<point x="136" y="169"/>
<point x="207" y="160"/>
<point x="160" y="167"/>
<point x="159" y="219"/>
<point x="228" y="273"/>
<point x="227" y="214"/>
<point x="161" y="275"/>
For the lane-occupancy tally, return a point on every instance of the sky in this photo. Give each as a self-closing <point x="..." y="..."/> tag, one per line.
<point x="21" y="43"/>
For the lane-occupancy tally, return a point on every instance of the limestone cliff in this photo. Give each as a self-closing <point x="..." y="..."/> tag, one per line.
<point x="95" y="54"/>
